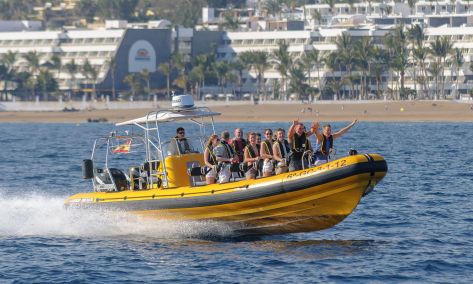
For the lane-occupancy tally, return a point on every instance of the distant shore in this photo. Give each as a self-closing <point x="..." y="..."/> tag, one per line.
<point x="387" y="111"/>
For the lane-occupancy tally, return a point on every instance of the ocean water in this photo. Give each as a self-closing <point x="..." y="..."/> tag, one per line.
<point x="416" y="226"/>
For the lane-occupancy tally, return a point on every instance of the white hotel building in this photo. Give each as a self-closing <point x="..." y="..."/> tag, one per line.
<point x="442" y="18"/>
<point x="139" y="46"/>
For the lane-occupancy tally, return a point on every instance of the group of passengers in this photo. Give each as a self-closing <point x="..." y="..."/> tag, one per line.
<point x="225" y="157"/>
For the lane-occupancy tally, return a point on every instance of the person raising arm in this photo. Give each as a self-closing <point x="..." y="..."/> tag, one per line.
<point x="324" y="140"/>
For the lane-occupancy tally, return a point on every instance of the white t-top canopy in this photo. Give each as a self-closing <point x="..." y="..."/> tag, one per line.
<point x="164" y="116"/>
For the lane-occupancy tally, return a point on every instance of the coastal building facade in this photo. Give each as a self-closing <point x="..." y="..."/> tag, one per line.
<point x="112" y="52"/>
<point x="120" y="48"/>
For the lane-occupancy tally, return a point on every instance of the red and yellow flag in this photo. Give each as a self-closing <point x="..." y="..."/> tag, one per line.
<point x="123" y="148"/>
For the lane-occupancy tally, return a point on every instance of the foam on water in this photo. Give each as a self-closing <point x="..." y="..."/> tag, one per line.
<point x="39" y="215"/>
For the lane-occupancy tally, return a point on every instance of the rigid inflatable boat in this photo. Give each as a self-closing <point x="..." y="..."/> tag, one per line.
<point x="166" y="187"/>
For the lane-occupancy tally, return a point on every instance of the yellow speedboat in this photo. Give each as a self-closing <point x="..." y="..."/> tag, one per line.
<point x="162" y="187"/>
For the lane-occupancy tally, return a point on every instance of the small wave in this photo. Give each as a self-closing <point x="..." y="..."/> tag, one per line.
<point x="39" y="215"/>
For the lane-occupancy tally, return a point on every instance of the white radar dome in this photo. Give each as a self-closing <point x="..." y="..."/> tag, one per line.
<point x="182" y="101"/>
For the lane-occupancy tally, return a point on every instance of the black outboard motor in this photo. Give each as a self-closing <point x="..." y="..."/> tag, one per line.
<point x="87" y="169"/>
<point x="352" y="152"/>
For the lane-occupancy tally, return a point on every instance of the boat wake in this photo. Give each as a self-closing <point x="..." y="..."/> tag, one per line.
<point x="39" y="215"/>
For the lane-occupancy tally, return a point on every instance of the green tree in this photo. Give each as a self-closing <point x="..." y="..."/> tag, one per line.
<point x="440" y="49"/>
<point x="419" y="55"/>
<point x="165" y="69"/>
<point x="332" y="62"/>
<point x="112" y="67"/>
<point x="230" y="22"/>
<point x="457" y="61"/>
<point x="282" y="61"/>
<point x="46" y="83"/>
<point x="346" y="57"/>
<point x="247" y="59"/>
<point x="32" y="60"/>
<point x="261" y="65"/>
<point x="298" y="78"/>
<point x="145" y="75"/>
<point x="91" y="74"/>
<point x="134" y="83"/>
<point x="87" y="9"/>
<point x="273" y="7"/>
<point x="221" y="69"/>
<point x="178" y="63"/>
<point x="8" y="60"/>
<point x="363" y="57"/>
<point x="72" y="69"/>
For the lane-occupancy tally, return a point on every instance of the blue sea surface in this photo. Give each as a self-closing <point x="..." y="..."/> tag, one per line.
<point x="416" y="226"/>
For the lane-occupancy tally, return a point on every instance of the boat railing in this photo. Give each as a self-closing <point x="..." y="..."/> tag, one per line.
<point x="307" y="156"/>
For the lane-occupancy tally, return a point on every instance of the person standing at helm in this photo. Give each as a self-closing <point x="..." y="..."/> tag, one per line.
<point x="298" y="139"/>
<point x="179" y="145"/>
<point x="238" y="144"/>
<point x="325" y="140"/>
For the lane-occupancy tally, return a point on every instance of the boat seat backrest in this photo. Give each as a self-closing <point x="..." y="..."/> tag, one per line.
<point x="119" y="178"/>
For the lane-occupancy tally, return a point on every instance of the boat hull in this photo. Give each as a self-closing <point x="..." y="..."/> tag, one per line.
<point x="300" y="201"/>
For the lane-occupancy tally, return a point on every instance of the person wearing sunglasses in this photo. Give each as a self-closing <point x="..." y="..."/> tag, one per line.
<point x="179" y="144"/>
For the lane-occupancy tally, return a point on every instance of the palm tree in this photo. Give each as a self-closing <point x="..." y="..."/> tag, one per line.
<point x="363" y="57"/>
<point x="273" y="7"/>
<point x="72" y="69"/>
<point x="91" y="74"/>
<point x="165" y="68"/>
<point x="8" y="60"/>
<point x="46" y="82"/>
<point x="56" y="63"/>
<point x="297" y="85"/>
<point x="202" y="62"/>
<point x="283" y="61"/>
<point x="177" y="62"/>
<point x="311" y="59"/>
<point x="221" y="68"/>
<point x="416" y="34"/>
<point x="261" y="64"/>
<point x="132" y="81"/>
<point x="419" y="55"/>
<point x="230" y="23"/>
<point x="440" y="49"/>
<point x="378" y="67"/>
<point x="32" y="59"/>
<point x="247" y="59"/>
<point x="434" y="69"/>
<point x="332" y="62"/>
<point x="345" y="56"/>
<point x="457" y="60"/>
<point x="4" y="78"/>
<point x="401" y="55"/>
<point x="112" y="65"/>
<point x="146" y="77"/>
<point x="238" y="66"/>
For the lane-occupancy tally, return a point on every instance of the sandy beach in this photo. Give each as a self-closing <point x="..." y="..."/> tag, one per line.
<point x="235" y="112"/>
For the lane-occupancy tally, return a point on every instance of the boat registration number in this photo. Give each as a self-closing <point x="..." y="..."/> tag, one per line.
<point x="332" y="165"/>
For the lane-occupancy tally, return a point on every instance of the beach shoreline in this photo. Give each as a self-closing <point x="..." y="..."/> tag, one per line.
<point x="382" y="111"/>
